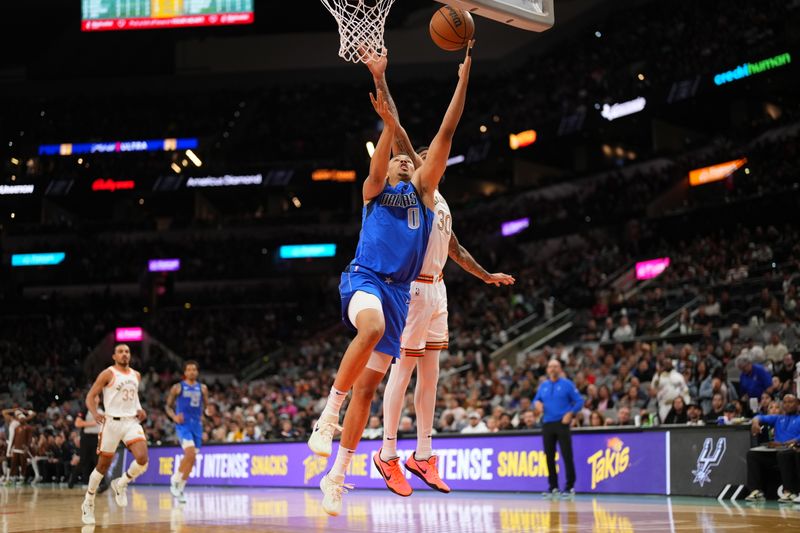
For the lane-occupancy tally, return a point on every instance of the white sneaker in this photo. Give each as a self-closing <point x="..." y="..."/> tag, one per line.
<point x="321" y="439"/>
<point x="87" y="512"/>
<point x="120" y="493"/>
<point x="175" y="488"/>
<point x="797" y="499"/>
<point x="787" y="497"/>
<point x="755" y="496"/>
<point x="182" y="498"/>
<point x="332" y="499"/>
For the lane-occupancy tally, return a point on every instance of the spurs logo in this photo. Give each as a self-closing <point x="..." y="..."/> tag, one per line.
<point x="707" y="460"/>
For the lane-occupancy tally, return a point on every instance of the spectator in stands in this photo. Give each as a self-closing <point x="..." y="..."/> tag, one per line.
<point x="604" y="401"/>
<point x="475" y="424"/>
<point x="785" y="373"/>
<point x="695" y="415"/>
<point x="623" y="418"/>
<point x="235" y="433"/>
<point x="670" y="384"/>
<point x="287" y="432"/>
<point x="712" y="307"/>
<point x="252" y="432"/>
<point x="374" y="429"/>
<point x="406" y="427"/>
<point x="528" y="421"/>
<point x="728" y="414"/>
<point x="774" y="313"/>
<point x="608" y="331"/>
<point x="624" y="332"/>
<point x="591" y="333"/>
<point x="677" y="414"/>
<point x="775" y="351"/>
<point x="754" y="379"/>
<point x="596" y="419"/>
<point x="760" y="459"/>
<point x="716" y="409"/>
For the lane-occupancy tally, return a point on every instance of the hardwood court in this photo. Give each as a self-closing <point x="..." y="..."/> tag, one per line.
<point x="153" y="510"/>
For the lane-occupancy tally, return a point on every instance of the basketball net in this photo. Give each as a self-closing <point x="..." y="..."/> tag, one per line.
<point x="360" y="28"/>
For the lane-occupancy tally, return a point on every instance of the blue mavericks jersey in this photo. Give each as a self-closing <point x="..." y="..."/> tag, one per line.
<point x="190" y="403"/>
<point x="395" y="226"/>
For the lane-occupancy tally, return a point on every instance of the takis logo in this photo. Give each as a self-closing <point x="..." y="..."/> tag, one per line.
<point x="707" y="460"/>
<point x="314" y="466"/>
<point x="609" y="463"/>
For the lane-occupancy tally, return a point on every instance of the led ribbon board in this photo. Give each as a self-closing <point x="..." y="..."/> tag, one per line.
<point x="623" y="109"/>
<point x="225" y="181"/>
<point x="749" y="69"/>
<point x="521" y="139"/>
<point x="16" y="189"/>
<point x="704" y="175"/>
<point x="39" y="259"/>
<point x="302" y="251"/>
<point x="128" y="334"/>
<point x="153" y="145"/>
<point x="512" y="227"/>
<point x="651" y="268"/>
<point x="164" y="265"/>
<point x="106" y="15"/>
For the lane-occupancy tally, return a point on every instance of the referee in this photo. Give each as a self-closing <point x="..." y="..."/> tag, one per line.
<point x="560" y="401"/>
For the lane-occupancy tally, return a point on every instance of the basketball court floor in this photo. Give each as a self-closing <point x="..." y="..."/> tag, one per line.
<point x="153" y="510"/>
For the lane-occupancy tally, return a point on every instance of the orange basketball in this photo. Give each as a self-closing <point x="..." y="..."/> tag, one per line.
<point x="452" y="28"/>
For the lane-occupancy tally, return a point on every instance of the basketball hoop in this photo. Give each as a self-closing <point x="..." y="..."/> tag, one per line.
<point x="360" y="28"/>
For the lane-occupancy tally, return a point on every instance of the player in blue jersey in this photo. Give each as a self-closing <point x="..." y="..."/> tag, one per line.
<point x="375" y="288"/>
<point x="186" y="404"/>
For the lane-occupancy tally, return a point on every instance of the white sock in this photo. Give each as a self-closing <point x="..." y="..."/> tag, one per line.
<point x="425" y="402"/>
<point x="393" y="399"/>
<point x="94" y="481"/>
<point x="333" y="405"/>
<point x="134" y="471"/>
<point x="343" y="458"/>
<point x="177" y="477"/>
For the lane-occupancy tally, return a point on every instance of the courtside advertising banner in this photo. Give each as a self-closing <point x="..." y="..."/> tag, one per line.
<point x="604" y="462"/>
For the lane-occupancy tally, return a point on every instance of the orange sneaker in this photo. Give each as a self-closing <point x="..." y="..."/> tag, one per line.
<point x="428" y="472"/>
<point x="394" y="477"/>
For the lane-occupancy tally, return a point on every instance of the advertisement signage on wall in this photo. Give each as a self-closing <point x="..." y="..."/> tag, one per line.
<point x="703" y="462"/>
<point x="746" y="70"/>
<point x="629" y="462"/>
<point x="704" y="175"/>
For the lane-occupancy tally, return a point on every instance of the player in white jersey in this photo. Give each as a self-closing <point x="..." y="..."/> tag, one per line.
<point x="121" y="422"/>
<point x="425" y="333"/>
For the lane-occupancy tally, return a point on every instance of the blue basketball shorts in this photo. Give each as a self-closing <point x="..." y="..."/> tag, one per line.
<point x="189" y="433"/>
<point x="395" y="298"/>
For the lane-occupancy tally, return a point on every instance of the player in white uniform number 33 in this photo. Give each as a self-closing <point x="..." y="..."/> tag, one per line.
<point x="425" y="333"/>
<point x="121" y="422"/>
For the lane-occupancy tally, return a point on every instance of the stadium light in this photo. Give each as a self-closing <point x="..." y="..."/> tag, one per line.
<point x="193" y="157"/>
<point x="176" y="168"/>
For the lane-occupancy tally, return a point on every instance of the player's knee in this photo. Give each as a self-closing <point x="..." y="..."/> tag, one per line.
<point x="142" y="462"/>
<point x="363" y="392"/>
<point x="372" y="330"/>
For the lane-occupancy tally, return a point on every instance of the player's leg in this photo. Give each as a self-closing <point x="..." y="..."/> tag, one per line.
<point x="415" y="333"/>
<point x="137" y="444"/>
<point x="190" y="439"/>
<point x="365" y="311"/>
<point x="355" y="420"/>
<point x="107" y="444"/>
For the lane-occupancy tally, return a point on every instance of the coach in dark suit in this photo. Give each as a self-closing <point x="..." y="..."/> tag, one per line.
<point x="560" y="401"/>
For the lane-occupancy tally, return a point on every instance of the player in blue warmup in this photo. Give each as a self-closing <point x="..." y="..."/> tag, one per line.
<point x="397" y="220"/>
<point x="186" y="404"/>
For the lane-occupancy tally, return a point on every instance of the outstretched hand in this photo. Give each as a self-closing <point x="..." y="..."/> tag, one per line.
<point x="377" y="66"/>
<point x="464" y="68"/>
<point x="381" y="106"/>
<point x="499" y="278"/>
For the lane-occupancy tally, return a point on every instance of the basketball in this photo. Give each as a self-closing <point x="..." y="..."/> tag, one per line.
<point x="451" y="28"/>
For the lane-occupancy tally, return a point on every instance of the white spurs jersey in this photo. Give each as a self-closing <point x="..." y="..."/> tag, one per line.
<point x="439" y="241"/>
<point x="121" y="396"/>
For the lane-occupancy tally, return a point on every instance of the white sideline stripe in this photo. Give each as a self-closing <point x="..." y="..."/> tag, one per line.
<point x="722" y="494"/>
<point x="735" y="494"/>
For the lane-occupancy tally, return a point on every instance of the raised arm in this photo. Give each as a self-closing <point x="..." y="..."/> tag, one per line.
<point x="436" y="161"/>
<point x="379" y="166"/>
<point x="170" y="407"/>
<point x="92" y="398"/>
<point x="402" y="143"/>
<point x="464" y="259"/>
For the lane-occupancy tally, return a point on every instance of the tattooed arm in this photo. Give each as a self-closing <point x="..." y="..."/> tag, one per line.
<point x="464" y="259"/>
<point x="402" y="143"/>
